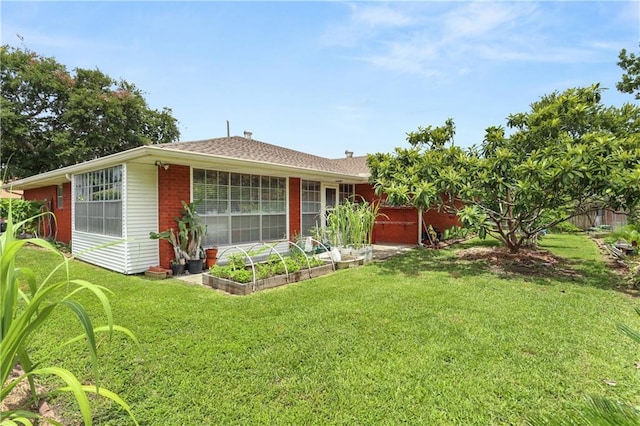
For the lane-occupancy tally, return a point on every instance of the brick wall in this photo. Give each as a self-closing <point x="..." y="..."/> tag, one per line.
<point x="440" y="220"/>
<point x="61" y="226"/>
<point x="174" y="186"/>
<point x="295" y="217"/>
<point x="400" y="225"/>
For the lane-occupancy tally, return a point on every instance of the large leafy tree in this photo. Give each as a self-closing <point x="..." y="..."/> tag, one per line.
<point x="568" y="155"/>
<point x="52" y="118"/>
<point x="630" y="64"/>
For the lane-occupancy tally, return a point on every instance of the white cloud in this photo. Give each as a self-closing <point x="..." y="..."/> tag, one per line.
<point x="412" y="57"/>
<point x="364" y="21"/>
<point x="379" y="16"/>
<point x="436" y="39"/>
<point x="475" y="20"/>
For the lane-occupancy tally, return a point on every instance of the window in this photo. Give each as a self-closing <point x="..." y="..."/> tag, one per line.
<point x="311" y="206"/>
<point x="240" y="207"/>
<point x="60" y="200"/>
<point x="346" y="193"/>
<point x="98" y="202"/>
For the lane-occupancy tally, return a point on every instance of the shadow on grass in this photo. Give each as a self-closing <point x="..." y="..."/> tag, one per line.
<point x="475" y="258"/>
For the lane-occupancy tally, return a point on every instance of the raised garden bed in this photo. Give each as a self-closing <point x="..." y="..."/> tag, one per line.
<point x="238" y="288"/>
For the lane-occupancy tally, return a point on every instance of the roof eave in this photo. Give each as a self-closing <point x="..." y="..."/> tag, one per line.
<point x="59" y="176"/>
<point x="171" y="156"/>
<point x="179" y="156"/>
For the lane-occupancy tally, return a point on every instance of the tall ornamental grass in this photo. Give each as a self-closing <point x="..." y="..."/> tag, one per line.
<point x="351" y="223"/>
<point x="25" y="308"/>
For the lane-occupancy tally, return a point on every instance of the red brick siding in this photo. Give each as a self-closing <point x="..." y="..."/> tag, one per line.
<point x="393" y="225"/>
<point x="400" y="225"/>
<point x="174" y="186"/>
<point x="63" y="215"/>
<point x="295" y="218"/>
<point x="365" y="191"/>
<point x="62" y="224"/>
<point x="440" y="220"/>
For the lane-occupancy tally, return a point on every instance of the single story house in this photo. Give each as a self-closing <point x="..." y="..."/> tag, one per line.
<point x="248" y="191"/>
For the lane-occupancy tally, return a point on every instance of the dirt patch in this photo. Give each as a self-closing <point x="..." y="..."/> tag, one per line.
<point x="20" y="398"/>
<point x="542" y="264"/>
<point x="526" y="262"/>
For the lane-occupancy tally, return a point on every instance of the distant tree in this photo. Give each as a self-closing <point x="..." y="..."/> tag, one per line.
<point x="630" y="82"/>
<point x="52" y="118"/>
<point x="568" y="155"/>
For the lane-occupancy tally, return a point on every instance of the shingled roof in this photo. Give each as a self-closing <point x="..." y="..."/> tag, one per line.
<point x="233" y="148"/>
<point x="238" y="147"/>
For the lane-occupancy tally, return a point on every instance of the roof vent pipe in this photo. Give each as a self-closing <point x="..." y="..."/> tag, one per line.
<point x="348" y="154"/>
<point x="247" y="134"/>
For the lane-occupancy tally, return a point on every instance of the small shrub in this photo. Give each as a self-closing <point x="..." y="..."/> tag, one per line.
<point x="242" y="276"/>
<point x="315" y="261"/>
<point x="228" y="272"/>
<point x="628" y="233"/>
<point x="25" y="212"/>
<point x="236" y="261"/>
<point x="566" y="227"/>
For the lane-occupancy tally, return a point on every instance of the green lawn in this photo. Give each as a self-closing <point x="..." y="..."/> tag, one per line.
<point x="424" y="338"/>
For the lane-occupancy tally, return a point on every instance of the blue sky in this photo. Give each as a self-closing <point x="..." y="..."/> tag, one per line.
<point x="322" y="77"/>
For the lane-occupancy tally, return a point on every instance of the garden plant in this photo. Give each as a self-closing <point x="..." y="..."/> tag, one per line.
<point x="27" y="305"/>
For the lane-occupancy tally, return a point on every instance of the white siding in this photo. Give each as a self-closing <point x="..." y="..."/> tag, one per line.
<point x="140" y="211"/>
<point x="136" y="251"/>
<point x="102" y="250"/>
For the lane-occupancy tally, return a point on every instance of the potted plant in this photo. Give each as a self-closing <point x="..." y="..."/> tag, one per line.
<point x="178" y="241"/>
<point x="177" y="266"/>
<point x="350" y="227"/>
<point x="212" y="255"/>
<point x="189" y="225"/>
<point x="186" y="240"/>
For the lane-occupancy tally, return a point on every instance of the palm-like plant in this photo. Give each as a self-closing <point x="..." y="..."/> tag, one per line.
<point x="189" y="224"/>
<point x="23" y="312"/>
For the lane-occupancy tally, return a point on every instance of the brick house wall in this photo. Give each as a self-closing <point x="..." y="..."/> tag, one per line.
<point x="173" y="187"/>
<point x="61" y="226"/>
<point x="399" y="225"/>
<point x="295" y="215"/>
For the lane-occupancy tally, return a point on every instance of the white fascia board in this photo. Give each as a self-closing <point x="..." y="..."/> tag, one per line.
<point x="59" y="176"/>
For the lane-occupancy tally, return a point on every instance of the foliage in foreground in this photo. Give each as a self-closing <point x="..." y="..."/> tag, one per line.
<point x="24" y="312"/>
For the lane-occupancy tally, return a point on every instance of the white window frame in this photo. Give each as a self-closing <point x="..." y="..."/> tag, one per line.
<point x="244" y="205"/>
<point x="98" y="199"/>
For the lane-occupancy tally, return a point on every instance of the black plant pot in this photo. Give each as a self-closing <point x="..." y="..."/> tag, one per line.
<point x="177" y="269"/>
<point x="195" y="266"/>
